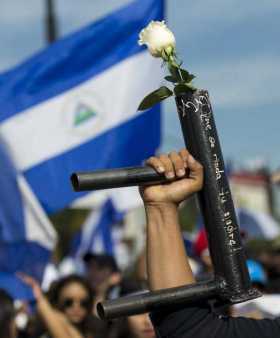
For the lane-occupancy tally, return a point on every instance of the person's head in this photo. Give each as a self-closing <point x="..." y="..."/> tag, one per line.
<point x="138" y="326"/>
<point x="99" y="267"/>
<point x="74" y="297"/>
<point x="7" y="316"/>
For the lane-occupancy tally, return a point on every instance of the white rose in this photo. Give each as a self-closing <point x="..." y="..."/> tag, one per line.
<point x="157" y="37"/>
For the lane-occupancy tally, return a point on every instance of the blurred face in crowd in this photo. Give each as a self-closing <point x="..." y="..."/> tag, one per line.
<point x="97" y="274"/>
<point x="141" y="326"/>
<point x="74" y="301"/>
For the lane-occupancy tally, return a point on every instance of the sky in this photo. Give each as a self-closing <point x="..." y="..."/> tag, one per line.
<point x="231" y="46"/>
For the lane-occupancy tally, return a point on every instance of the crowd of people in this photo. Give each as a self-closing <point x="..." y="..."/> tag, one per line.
<point x="68" y="308"/>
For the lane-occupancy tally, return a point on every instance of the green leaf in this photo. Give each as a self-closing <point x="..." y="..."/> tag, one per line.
<point x="183" y="88"/>
<point x="170" y="78"/>
<point x="187" y="77"/>
<point x="155" y="97"/>
<point x="174" y="71"/>
<point x="181" y="75"/>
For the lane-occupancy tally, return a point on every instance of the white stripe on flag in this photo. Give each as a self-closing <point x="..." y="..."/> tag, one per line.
<point x="87" y="230"/>
<point x="111" y="98"/>
<point x="38" y="227"/>
<point x="124" y="199"/>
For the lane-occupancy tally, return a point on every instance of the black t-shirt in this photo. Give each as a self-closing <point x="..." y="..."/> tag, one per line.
<point x="200" y="322"/>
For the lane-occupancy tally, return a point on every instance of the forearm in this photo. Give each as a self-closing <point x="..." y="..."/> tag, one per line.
<point x="56" y="323"/>
<point x="167" y="262"/>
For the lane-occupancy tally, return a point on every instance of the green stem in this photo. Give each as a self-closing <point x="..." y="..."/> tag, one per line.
<point x="179" y="69"/>
<point x="171" y="60"/>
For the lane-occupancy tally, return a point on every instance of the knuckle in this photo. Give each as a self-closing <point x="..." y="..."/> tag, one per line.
<point x="163" y="157"/>
<point x="173" y="154"/>
<point x="184" y="151"/>
<point x="176" y="159"/>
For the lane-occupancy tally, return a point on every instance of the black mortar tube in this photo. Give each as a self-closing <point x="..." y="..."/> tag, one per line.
<point x="200" y="135"/>
<point x="115" y="178"/>
<point x="148" y="301"/>
<point x="216" y="204"/>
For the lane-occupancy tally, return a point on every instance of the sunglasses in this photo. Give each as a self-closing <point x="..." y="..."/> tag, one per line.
<point x="69" y="302"/>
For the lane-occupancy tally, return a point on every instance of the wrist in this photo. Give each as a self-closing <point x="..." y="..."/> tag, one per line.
<point x="161" y="206"/>
<point x="162" y="214"/>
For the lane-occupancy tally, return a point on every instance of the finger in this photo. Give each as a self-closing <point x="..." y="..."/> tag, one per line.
<point x="26" y="279"/>
<point x="184" y="154"/>
<point x="156" y="164"/>
<point x="21" y="275"/>
<point x="178" y="163"/>
<point x="196" y="171"/>
<point x="168" y="166"/>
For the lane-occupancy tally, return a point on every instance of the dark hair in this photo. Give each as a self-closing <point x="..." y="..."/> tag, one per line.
<point x="128" y="286"/>
<point x="7" y="314"/>
<point x="55" y="292"/>
<point x="102" y="261"/>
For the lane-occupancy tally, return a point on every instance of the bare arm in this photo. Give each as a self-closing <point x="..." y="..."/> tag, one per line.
<point x="167" y="262"/>
<point x="55" y="321"/>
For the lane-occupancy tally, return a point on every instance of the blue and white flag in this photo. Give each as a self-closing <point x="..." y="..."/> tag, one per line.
<point x="102" y="233"/>
<point x="27" y="237"/>
<point x="73" y="106"/>
<point x="98" y="235"/>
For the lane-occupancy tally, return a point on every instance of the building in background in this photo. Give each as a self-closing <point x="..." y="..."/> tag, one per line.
<point x="252" y="191"/>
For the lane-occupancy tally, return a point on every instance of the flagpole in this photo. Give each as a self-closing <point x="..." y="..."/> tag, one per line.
<point x="50" y="22"/>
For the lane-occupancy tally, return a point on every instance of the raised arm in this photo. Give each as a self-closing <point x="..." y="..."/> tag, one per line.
<point x="167" y="262"/>
<point x="56" y="322"/>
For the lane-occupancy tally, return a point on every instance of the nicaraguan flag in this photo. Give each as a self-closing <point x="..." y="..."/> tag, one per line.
<point x="73" y="106"/>
<point x="101" y="233"/>
<point x="27" y="237"/>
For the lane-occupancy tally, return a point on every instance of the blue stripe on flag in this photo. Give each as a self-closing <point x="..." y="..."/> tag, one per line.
<point x="28" y="257"/>
<point x="15" y="287"/>
<point x="17" y="251"/>
<point x="11" y="208"/>
<point x="76" y="58"/>
<point x="125" y="145"/>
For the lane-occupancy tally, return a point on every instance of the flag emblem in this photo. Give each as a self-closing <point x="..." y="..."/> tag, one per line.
<point x="83" y="113"/>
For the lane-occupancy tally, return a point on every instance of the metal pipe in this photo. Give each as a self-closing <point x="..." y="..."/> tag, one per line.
<point x="216" y="204"/>
<point x="200" y="135"/>
<point x="115" y="178"/>
<point x="148" y="301"/>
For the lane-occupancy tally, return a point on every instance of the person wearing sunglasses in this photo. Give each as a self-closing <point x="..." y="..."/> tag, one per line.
<point x="167" y="262"/>
<point x="67" y="311"/>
